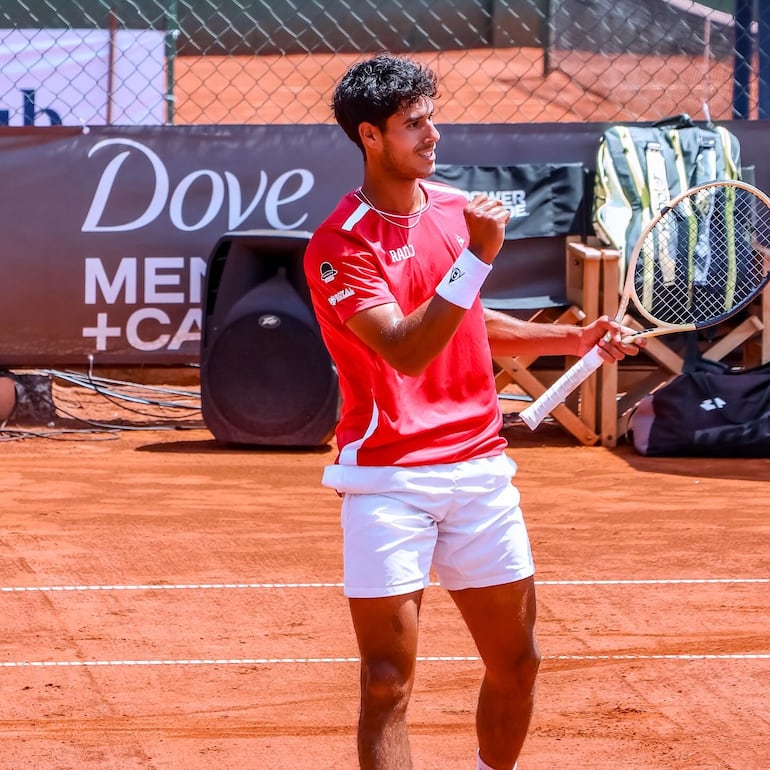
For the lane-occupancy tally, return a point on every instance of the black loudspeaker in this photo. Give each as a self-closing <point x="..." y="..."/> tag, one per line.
<point x="266" y="376"/>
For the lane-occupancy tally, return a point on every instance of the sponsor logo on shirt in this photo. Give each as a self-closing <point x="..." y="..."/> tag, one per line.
<point x="340" y="295"/>
<point x="327" y="272"/>
<point x="401" y="253"/>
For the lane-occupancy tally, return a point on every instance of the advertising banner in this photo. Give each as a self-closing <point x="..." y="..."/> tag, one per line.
<point x="82" y="77"/>
<point x="107" y="231"/>
<point x="543" y="199"/>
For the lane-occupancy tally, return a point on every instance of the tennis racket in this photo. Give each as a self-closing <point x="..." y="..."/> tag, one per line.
<point x="701" y="260"/>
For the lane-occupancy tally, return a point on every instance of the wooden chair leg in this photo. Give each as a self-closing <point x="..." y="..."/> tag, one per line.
<point x="520" y="374"/>
<point x="579" y="415"/>
<point x="608" y="374"/>
<point x="584" y="289"/>
<point x="734" y="339"/>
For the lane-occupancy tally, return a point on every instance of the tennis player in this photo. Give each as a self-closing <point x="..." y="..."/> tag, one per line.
<point x="395" y="273"/>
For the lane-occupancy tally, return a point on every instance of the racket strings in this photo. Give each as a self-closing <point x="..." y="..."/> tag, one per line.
<point x="705" y="257"/>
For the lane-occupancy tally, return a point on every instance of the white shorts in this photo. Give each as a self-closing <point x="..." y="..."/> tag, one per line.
<point x="461" y="519"/>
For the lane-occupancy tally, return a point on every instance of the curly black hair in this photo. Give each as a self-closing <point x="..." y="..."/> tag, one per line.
<point x="373" y="90"/>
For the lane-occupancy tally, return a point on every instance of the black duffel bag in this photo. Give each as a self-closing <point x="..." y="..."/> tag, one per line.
<point x="708" y="410"/>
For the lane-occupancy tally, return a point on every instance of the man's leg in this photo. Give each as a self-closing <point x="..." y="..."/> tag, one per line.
<point x="386" y="630"/>
<point x="501" y="620"/>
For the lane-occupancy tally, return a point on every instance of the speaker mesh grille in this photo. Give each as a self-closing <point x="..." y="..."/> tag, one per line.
<point x="270" y="374"/>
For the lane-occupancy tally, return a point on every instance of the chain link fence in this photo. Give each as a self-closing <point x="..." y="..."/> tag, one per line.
<point x="97" y="62"/>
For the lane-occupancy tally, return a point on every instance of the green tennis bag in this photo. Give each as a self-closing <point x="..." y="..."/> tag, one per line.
<point x="640" y="168"/>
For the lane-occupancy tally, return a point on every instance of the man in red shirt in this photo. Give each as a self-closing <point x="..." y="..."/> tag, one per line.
<point x="394" y="273"/>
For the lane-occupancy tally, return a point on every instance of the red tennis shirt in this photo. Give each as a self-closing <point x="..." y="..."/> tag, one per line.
<point x="357" y="259"/>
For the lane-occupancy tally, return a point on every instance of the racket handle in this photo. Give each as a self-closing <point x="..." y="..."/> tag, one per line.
<point x="539" y="409"/>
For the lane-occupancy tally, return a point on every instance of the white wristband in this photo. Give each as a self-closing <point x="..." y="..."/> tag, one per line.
<point x="461" y="285"/>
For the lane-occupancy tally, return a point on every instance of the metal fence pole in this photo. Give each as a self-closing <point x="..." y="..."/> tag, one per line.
<point x="172" y="33"/>
<point x="744" y="48"/>
<point x="764" y="59"/>
<point x="547" y="37"/>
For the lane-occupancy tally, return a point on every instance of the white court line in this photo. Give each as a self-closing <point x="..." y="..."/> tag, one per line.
<point x="424" y="659"/>
<point x="432" y="658"/>
<point x="228" y="586"/>
<point x="167" y="587"/>
<point x="662" y="581"/>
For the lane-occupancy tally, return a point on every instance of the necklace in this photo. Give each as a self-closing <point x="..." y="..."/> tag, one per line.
<point x="392" y="218"/>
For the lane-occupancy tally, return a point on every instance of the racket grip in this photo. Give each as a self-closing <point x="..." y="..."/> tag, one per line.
<point x="539" y="409"/>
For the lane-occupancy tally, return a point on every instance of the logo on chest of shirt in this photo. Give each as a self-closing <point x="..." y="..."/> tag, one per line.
<point x="401" y="253"/>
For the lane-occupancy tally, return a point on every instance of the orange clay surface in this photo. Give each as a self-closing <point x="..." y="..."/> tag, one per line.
<point x="170" y="603"/>
<point x="504" y="85"/>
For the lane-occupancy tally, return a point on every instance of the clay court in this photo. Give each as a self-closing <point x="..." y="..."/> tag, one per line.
<point x="171" y="603"/>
